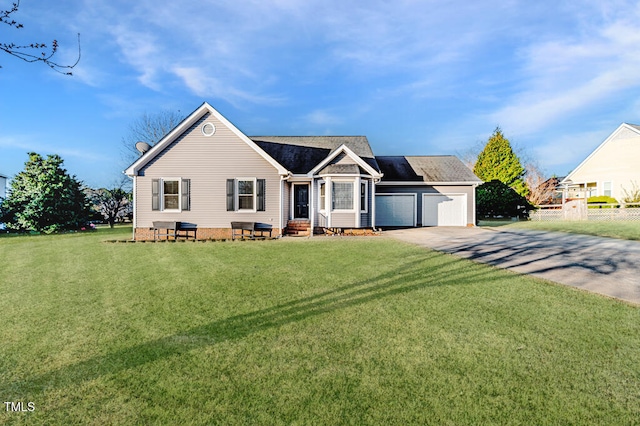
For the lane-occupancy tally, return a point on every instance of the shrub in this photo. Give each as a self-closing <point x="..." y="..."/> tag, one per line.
<point x="601" y="202"/>
<point x="632" y="197"/>
<point x="495" y="199"/>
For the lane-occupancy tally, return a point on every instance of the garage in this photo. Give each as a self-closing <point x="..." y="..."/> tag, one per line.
<point x="395" y="210"/>
<point x="444" y="209"/>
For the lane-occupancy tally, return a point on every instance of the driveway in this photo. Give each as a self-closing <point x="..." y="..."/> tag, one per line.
<point x="602" y="265"/>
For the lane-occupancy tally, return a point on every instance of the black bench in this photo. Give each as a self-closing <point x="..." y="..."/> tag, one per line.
<point x="176" y="230"/>
<point x="250" y="230"/>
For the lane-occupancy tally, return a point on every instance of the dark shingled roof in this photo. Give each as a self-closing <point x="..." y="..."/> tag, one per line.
<point x="431" y="168"/>
<point x="300" y="154"/>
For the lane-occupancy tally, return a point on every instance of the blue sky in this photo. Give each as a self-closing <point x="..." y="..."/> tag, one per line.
<point x="415" y="77"/>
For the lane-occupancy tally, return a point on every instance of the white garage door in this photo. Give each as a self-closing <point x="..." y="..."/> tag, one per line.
<point x="395" y="209"/>
<point x="444" y="210"/>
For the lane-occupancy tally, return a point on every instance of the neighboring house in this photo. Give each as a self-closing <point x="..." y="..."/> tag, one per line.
<point x="609" y="170"/>
<point x="3" y="186"/>
<point x="207" y="173"/>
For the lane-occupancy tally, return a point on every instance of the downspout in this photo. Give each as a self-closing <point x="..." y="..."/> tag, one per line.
<point x="329" y="196"/>
<point x="374" y="182"/>
<point x="281" y="216"/>
<point x="311" y="208"/>
<point x="356" y="202"/>
<point x="134" y="221"/>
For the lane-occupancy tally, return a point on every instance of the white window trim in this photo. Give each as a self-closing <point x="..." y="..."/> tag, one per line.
<point x="366" y="196"/>
<point x="162" y="208"/>
<point x="604" y="188"/>
<point x="255" y="194"/>
<point x="355" y="207"/>
<point x="322" y="207"/>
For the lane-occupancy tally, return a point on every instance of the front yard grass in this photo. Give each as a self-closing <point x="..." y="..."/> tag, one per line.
<point x="626" y="230"/>
<point x="321" y="331"/>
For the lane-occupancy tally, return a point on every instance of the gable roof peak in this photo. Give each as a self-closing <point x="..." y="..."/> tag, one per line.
<point x="183" y="126"/>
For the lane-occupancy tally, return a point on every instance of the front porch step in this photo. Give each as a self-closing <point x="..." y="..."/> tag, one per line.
<point x="298" y="228"/>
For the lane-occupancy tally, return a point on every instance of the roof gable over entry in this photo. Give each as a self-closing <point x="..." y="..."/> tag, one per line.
<point x="303" y="154"/>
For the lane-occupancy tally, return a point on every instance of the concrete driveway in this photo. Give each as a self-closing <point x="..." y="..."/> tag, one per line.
<point x="602" y="265"/>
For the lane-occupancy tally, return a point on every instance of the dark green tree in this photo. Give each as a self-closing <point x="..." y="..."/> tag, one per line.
<point x="496" y="199"/>
<point x="44" y="197"/>
<point x="498" y="161"/>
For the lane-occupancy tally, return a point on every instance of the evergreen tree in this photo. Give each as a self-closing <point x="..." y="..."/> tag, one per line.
<point x="44" y="197"/>
<point x="495" y="199"/>
<point x="498" y="161"/>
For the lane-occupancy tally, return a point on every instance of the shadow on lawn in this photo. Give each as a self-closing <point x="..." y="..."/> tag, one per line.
<point x="409" y="276"/>
<point x="546" y="251"/>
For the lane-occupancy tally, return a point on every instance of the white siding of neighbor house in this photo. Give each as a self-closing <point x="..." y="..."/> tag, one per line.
<point x="208" y="162"/>
<point x="616" y="161"/>
<point x="3" y="186"/>
<point x="438" y="189"/>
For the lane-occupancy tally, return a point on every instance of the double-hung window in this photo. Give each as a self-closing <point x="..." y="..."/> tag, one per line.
<point x="323" y="196"/>
<point x="170" y="194"/>
<point x="246" y="195"/>
<point x="342" y="195"/>
<point x="363" y="196"/>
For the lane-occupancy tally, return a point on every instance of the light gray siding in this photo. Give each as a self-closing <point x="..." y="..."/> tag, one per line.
<point x="343" y="220"/>
<point x="208" y="161"/>
<point x="427" y="189"/>
<point x="342" y="159"/>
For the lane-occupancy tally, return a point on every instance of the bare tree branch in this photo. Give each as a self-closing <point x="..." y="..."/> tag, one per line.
<point x="34" y="52"/>
<point x="149" y="128"/>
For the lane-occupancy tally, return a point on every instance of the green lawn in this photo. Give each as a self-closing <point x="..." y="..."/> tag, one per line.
<point x="323" y="331"/>
<point x="624" y="230"/>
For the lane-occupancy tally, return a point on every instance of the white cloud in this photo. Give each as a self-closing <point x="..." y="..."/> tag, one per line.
<point x="322" y="118"/>
<point x="571" y="75"/>
<point x="27" y="144"/>
<point x="206" y="86"/>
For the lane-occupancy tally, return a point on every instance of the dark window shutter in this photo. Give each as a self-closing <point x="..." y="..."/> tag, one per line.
<point x="260" y="193"/>
<point x="186" y="195"/>
<point x="155" y="194"/>
<point x="231" y="196"/>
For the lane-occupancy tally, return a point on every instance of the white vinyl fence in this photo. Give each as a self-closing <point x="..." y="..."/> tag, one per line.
<point x="604" y="212"/>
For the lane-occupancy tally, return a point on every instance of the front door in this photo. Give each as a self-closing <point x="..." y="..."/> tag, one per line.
<point x="301" y="201"/>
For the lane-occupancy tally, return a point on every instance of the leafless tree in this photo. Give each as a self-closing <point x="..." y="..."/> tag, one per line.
<point x="33" y="52"/>
<point x="632" y="196"/>
<point x="541" y="188"/>
<point x="149" y="128"/>
<point x="114" y="204"/>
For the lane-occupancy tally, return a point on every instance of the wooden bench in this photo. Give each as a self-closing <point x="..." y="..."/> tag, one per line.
<point x="176" y="230"/>
<point x="250" y="230"/>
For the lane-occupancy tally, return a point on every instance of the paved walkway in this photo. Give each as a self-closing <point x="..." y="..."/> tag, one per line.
<point x="601" y="265"/>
